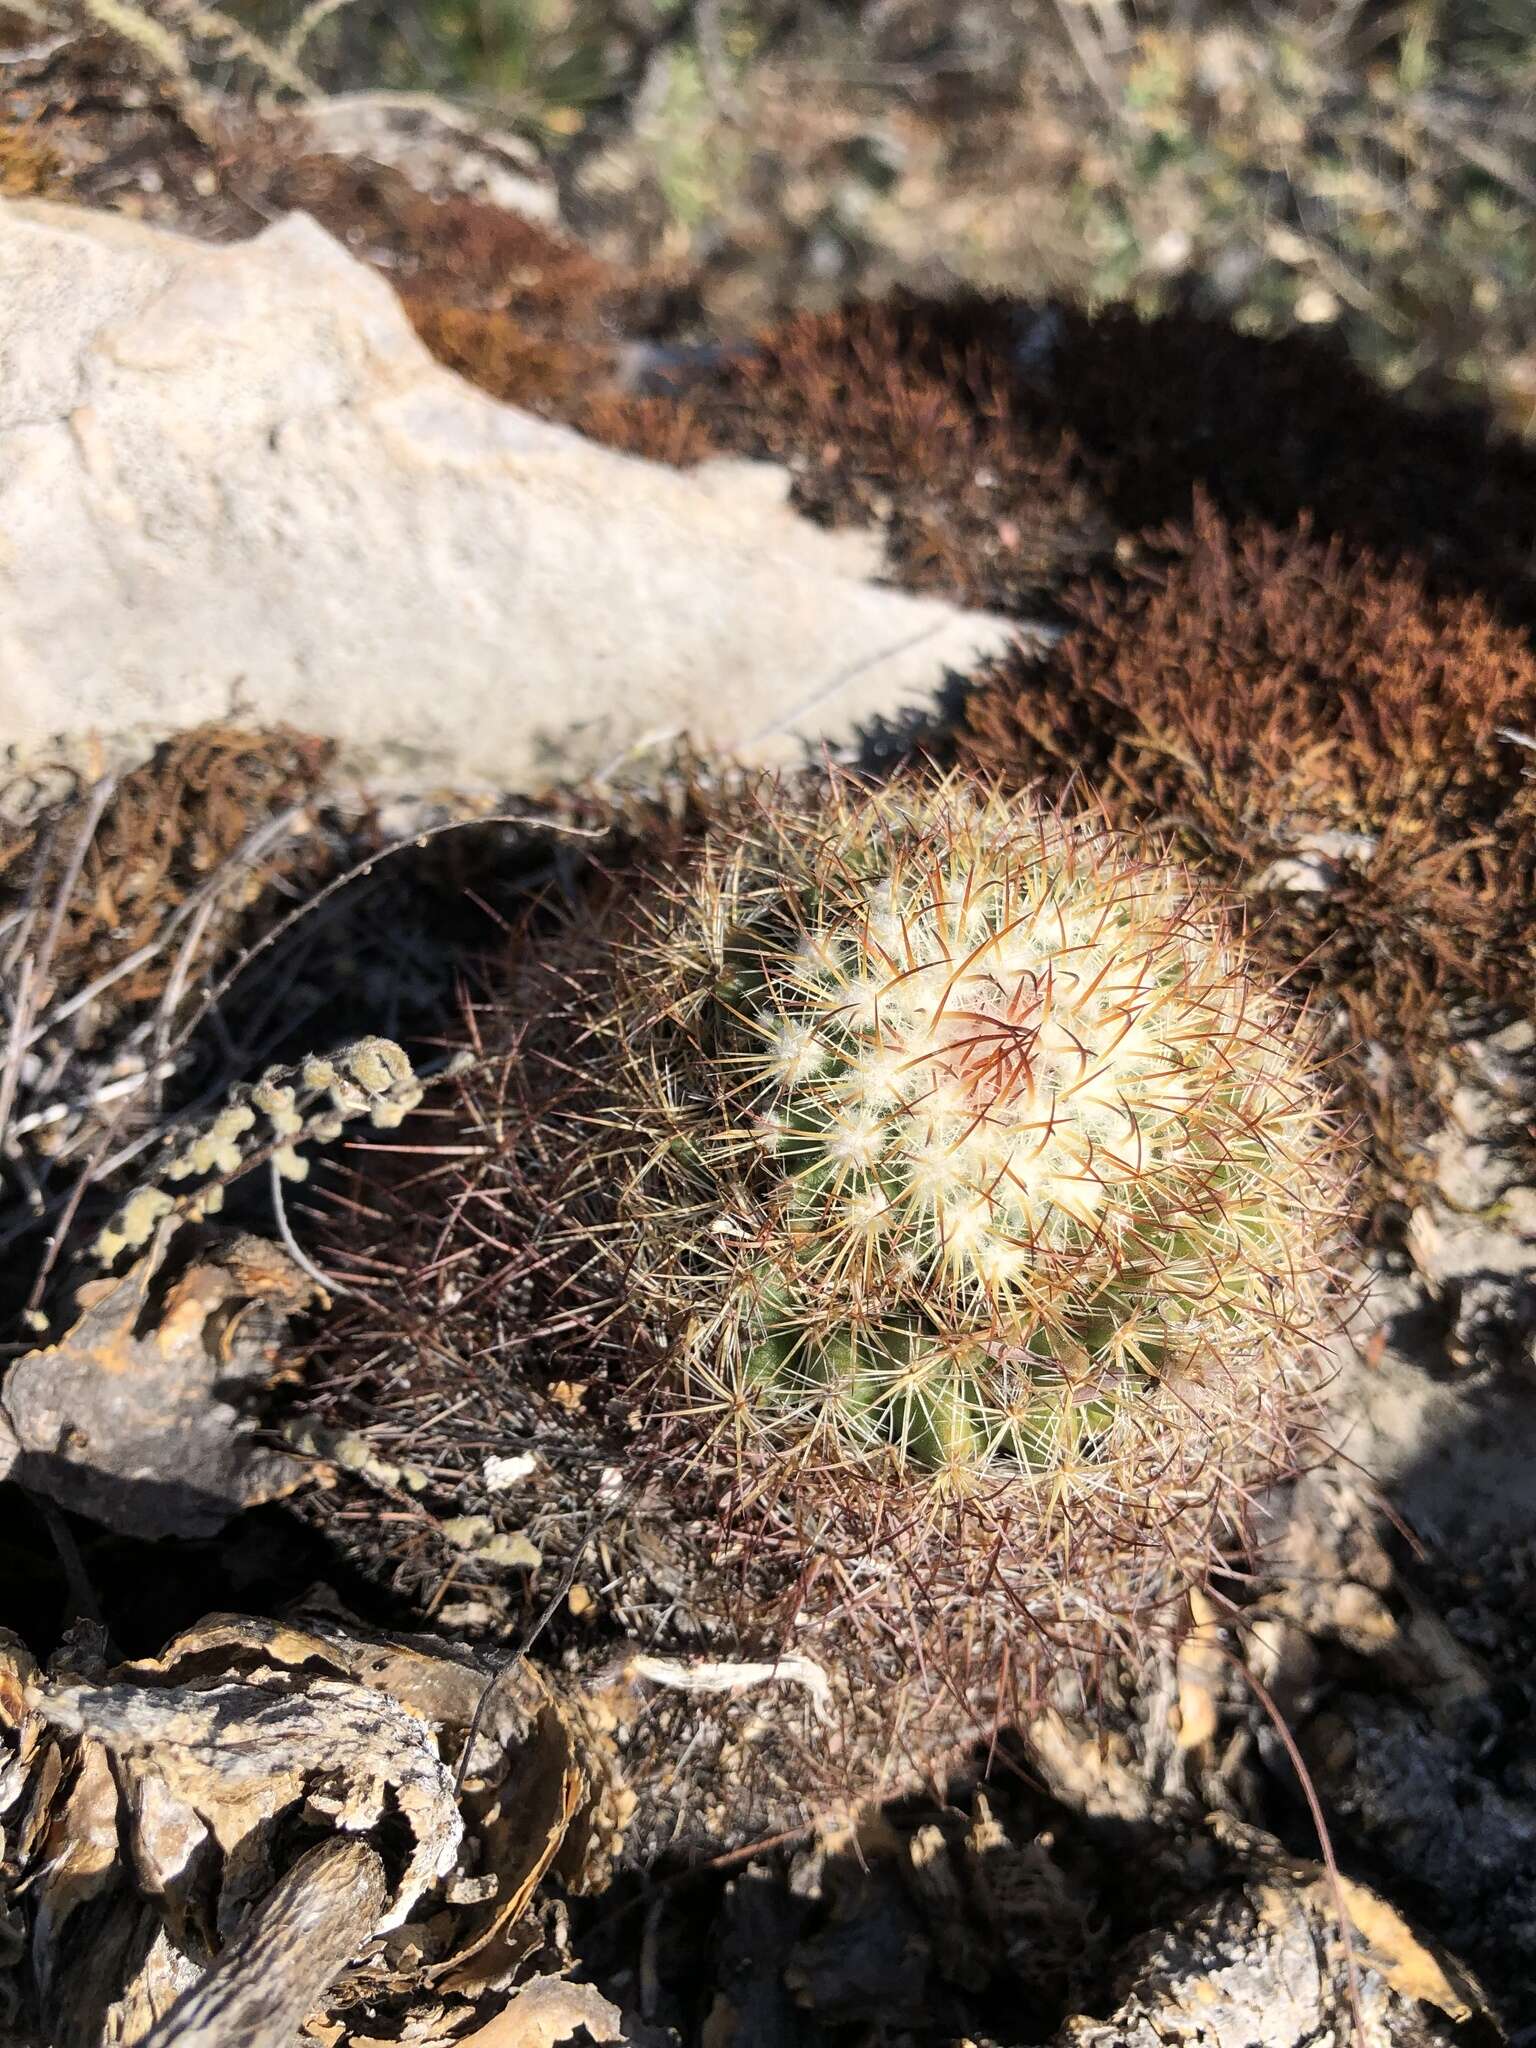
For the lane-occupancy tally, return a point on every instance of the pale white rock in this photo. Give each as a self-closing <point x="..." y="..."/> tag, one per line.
<point x="502" y="1474"/>
<point x="1316" y="865"/>
<point x="441" y="149"/>
<point x="232" y="481"/>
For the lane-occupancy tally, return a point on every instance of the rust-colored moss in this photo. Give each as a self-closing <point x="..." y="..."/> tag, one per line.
<point x="515" y="309"/>
<point x="1320" y="683"/>
<point x="659" y="429"/>
<point x="464" y="251"/>
<point x="503" y="357"/>
<point x="914" y="417"/>
<point x="567" y="380"/>
<point x="1009" y="451"/>
<point x="1112" y="422"/>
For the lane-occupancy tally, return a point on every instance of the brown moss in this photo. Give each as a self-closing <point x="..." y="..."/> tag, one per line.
<point x="1283" y="671"/>
<point x="29" y="169"/>
<point x="571" y="381"/>
<point x="464" y="251"/>
<point x="513" y="308"/>
<point x="517" y="310"/>
<point x="1252" y="689"/>
<point x="165" y="833"/>
<point x="503" y="357"/>
<point x="1009" y="451"/>
<point x="1089" y="427"/>
<point x="657" y="429"/>
<point x="913" y="417"/>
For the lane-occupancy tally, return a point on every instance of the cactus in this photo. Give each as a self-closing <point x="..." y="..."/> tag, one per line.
<point x="973" y="1188"/>
<point x="901" y="1220"/>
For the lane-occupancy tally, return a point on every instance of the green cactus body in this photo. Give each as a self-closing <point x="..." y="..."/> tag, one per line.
<point x="1000" y="1135"/>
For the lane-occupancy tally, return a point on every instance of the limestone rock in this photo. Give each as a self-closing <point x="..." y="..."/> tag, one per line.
<point x="441" y="149"/>
<point x="231" y="478"/>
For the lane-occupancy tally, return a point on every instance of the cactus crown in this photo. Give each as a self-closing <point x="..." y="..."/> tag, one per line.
<point x="962" y="1150"/>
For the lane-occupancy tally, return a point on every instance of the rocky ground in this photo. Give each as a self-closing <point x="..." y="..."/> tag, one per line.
<point x="1268" y="612"/>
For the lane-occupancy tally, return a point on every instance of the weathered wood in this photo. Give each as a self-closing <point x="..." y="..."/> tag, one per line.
<point x="281" y="1964"/>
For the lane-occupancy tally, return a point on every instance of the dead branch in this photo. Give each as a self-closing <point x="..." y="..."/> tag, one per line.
<point x="279" y="1967"/>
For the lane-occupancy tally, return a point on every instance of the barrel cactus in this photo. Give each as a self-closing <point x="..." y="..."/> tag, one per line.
<point x="980" y="1199"/>
<point x="897" y="1225"/>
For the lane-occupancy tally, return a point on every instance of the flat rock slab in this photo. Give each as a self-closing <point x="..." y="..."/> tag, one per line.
<point x="232" y="480"/>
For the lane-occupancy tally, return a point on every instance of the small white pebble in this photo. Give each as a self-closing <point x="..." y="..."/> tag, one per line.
<point x="502" y="1474"/>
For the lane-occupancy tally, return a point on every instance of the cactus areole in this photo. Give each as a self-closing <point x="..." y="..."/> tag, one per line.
<point x="964" y="1162"/>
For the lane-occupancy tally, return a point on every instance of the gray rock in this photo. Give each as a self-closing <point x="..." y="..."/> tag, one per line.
<point x="233" y="481"/>
<point x="1261" y="1966"/>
